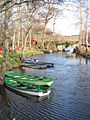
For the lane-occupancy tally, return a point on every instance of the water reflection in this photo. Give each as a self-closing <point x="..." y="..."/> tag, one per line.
<point x="4" y="103"/>
<point x="86" y="61"/>
<point x="4" y="96"/>
<point x="83" y="60"/>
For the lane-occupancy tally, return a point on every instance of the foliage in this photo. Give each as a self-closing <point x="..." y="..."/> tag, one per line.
<point x="67" y="44"/>
<point x="14" y="57"/>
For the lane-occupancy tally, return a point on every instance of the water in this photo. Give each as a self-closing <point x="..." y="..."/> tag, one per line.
<point x="69" y="99"/>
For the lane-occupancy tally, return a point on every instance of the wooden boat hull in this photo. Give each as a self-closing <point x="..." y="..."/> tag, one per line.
<point x="38" y="64"/>
<point x="33" y="66"/>
<point x="49" y="64"/>
<point x="29" y="79"/>
<point x="38" y="94"/>
<point x="26" y="89"/>
<point x="34" y="82"/>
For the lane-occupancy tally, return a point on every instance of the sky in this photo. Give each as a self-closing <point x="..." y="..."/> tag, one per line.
<point x="67" y="25"/>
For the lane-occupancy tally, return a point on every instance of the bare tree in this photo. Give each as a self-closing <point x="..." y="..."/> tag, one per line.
<point x="87" y="25"/>
<point x="47" y="15"/>
<point x="6" y="6"/>
<point x="6" y="21"/>
<point x="81" y="22"/>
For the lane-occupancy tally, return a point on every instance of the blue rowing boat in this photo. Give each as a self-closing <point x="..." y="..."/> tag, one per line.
<point x="37" y="62"/>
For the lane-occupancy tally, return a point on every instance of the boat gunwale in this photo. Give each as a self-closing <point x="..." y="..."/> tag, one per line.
<point x="38" y="94"/>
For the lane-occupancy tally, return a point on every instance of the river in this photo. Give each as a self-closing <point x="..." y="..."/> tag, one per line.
<point x="69" y="99"/>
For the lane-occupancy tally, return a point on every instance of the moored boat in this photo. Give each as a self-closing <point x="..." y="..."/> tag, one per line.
<point x="28" y="89"/>
<point x="69" y="50"/>
<point x="36" y="62"/>
<point x="26" y="78"/>
<point x="33" y="66"/>
<point x="47" y="51"/>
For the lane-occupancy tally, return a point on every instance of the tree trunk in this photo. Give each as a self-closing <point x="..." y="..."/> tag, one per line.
<point x="87" y="26"/>
<point x="24" y="46"/>
<point x="18" y="40"/>
<point x="52" y="37"/>
<point x="3" y="66"/>
<point x="13" y="41"/>
<point x="29" y="40"/>
<point x="81" y="20"/>
<point x="44" y="31"/>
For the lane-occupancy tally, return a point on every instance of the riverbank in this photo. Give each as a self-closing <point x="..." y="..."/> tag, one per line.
<point x="14" y="57"/>
<point x="83" y="52"/>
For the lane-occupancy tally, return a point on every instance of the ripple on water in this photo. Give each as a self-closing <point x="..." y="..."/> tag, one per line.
<point x="69" y="99"/>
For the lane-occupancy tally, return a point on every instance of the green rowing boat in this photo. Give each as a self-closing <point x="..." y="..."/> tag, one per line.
<point x="26" y="78"/>
<point x="28" y="89"/>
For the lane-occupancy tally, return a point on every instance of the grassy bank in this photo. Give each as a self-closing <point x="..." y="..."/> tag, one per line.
<point x="14" y="57"/>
